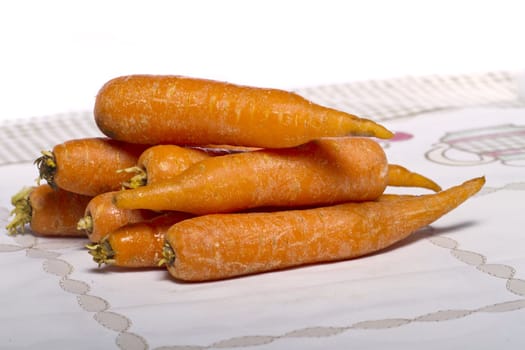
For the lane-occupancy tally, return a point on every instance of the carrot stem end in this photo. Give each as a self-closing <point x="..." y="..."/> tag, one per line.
<point x="168" y="255"/>
<point x="138" y="180"/>
<point x="22" y="211"/>
<point x="85" y="224"/>
<point x="47" y="168"/>
<point x="102" y="253"/>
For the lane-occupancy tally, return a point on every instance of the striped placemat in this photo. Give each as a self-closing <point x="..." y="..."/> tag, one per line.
<point x="380" y="100"/>
<point x="22" y="140"/>
<point x="403" y="97"/>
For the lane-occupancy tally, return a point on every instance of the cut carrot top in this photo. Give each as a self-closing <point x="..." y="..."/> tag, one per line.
<point x="88" y="166"/>
<point x="48" y="211"/>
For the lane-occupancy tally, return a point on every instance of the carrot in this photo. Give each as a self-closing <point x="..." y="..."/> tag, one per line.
<point x="221" y="246"/>
<point x="322" y="171"/>
<point x="162" y="162"/>
<point x="101" y="217"/>
<point x="165" y="162"/>
<point x="48" y="211"/>
<point x="180" y="110"/>
<point x="401" y="176"/>
<point x="88" y="166"/>
<point x="138" y="244"/>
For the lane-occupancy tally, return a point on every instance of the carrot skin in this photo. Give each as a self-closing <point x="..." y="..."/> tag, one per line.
<point x="49" y="212"/>
<point x="106" y="217"/>
<point x="138" y="244"/>
<point x="323" y="171"/>
<point x="401" y="176"/>
<point x="231" y="245"/>
<point x="167" y="161"/>
<point x="164" y="162"/>
<point x="90" y="166"/>
<point x="179" y="110"/>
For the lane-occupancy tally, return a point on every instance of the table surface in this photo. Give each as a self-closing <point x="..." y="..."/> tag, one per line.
<point x="454" y="95"/>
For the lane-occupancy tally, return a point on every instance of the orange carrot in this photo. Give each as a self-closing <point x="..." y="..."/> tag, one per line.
<point x="322" y="171"/>
<point x="401" y="176"/>
<point x="180" y="110"/>
<point x="88" y="166"/>
<point x="221" y="246"/>
<point x="138" y="244"/>
<point x="163" y="162"/>
<point x="100" y="217"/>
<point x="48" y="211"/>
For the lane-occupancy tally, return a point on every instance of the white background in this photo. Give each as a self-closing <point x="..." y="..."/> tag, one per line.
<point x="55" y="55"/>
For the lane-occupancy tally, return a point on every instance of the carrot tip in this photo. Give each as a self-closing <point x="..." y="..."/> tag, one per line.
<point x="478" y="182"/>
<point x="384" y="133"/>
<point x="22" y="211"/>
<point x="372" y="128"/>
<point x="401" y="176"/>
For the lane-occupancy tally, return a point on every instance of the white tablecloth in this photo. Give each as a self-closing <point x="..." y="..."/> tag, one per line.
<point x="459" y="283"/>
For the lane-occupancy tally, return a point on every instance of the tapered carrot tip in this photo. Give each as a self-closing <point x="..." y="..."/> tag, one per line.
<point x="401" y="176"/>
<point x="469" y="187"/>
<point x="384" y="133"/>
<point x="376" y="130"/>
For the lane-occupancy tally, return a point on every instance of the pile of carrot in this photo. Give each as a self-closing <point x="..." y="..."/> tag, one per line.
<point x="214" y="180"/>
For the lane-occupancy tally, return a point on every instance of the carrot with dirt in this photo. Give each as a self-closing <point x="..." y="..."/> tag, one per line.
<point x="155" y="109"/>
<point x="101" y="216"/>
<point x="48" y="211"/>
<point x="138" y="244"/>
<point x="88" y="166"/>
<point x="220" y="246"/>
